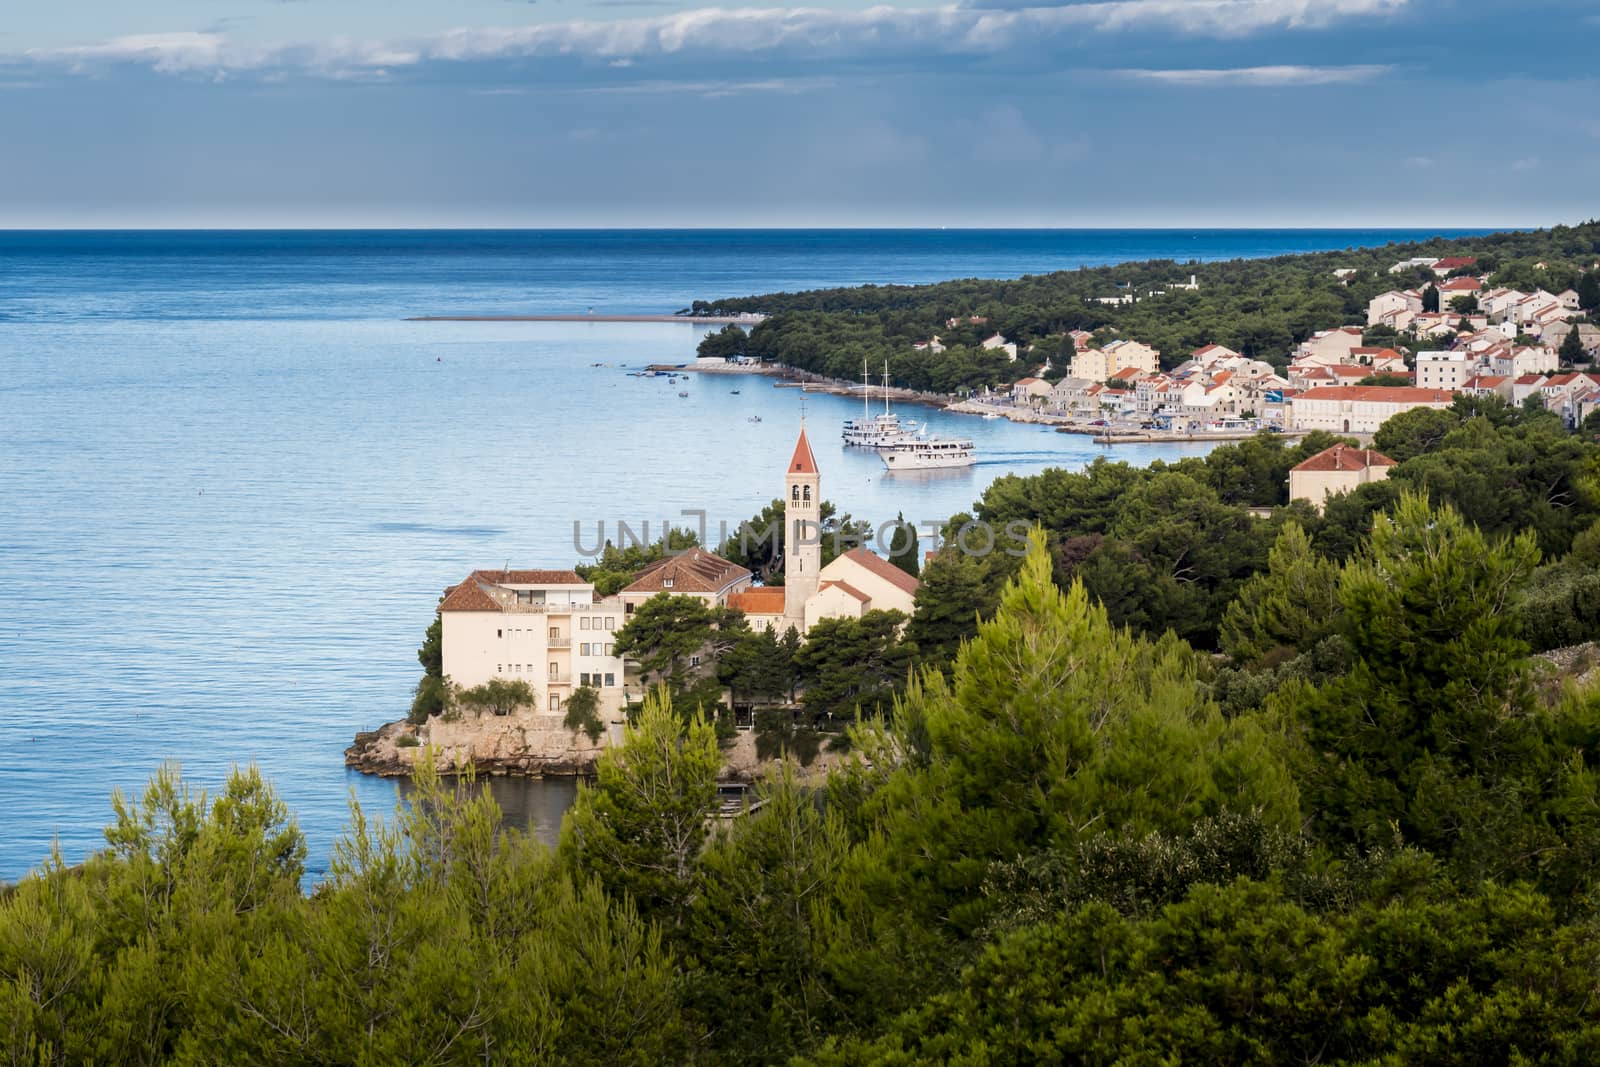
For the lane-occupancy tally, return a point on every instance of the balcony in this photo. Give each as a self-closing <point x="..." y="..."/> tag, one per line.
<point x="560" y="642"/>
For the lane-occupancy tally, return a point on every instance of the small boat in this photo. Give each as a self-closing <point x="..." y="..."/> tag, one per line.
<point x="753" y="418"/>
<point x="682" y="393"/>
<point x="877" y="431"/>
<point x="929" y="453"/>
<point x="733" y="392"/>
<point x="992" y="415"/>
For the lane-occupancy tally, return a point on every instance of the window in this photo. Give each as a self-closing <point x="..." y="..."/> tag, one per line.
<point x="611" y="680"/>
<point x="666" y="583"/>
<point x="808" y="492"/>
<point x="497" y="668"/>
<point x="694" y="661"/>
<point x="794" y="494"/>
<point x="583" y="649"/>
<point x="583" y="679"/>
<point x="611" y="650"/>
<point x="555" y="702"/>
<point x="555" y="671"/>
<point x="583" y="623"/>
<point x="555" y="631"/>
<point x="611" y="622"/>
<point x="499" y="633"/>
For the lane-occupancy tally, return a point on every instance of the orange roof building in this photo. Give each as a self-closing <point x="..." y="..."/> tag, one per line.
<point x="1340" y="469"/>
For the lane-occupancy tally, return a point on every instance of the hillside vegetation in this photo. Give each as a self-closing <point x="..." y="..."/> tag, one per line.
<point x="1259" y="307"/>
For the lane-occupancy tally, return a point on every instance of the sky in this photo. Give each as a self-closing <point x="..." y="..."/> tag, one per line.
<point x="1114" y="113"/>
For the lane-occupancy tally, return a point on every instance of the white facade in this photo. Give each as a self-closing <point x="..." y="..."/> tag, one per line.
<point x="1359" y="408"/>
<point x="551" y="634"/>
<point x="1444" y="370"/>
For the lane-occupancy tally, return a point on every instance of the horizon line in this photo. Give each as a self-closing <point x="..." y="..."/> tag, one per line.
<point x="1484" y="228"/>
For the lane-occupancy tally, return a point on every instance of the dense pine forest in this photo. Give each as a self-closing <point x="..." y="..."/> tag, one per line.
<point x="1259" y="307"/>
<point x="1181" y="784"/>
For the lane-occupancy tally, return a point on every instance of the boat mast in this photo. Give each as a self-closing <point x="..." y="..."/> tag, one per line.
<point x="866" y="391"/>
<point x="886" y="387"/>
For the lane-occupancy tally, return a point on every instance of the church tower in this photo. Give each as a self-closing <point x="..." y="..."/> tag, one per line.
<point x="802" y="532"/>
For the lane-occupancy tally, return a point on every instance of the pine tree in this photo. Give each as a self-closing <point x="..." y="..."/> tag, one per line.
<point x="1293" y="604"/>
<point x="640" y="826"/>
<point x="1589" y="292"/>
<point x="904" y="551"/>
<point x="1572" y="349"/>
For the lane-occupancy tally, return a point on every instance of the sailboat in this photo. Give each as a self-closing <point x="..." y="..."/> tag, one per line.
<point x="877" y="431"/>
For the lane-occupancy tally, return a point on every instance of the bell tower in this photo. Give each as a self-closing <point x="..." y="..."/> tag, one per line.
<point x="802" y="532"/>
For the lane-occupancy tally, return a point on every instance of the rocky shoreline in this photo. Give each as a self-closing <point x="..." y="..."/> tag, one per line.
<point x="527" y="743"/>
<point x="527" y="746"/>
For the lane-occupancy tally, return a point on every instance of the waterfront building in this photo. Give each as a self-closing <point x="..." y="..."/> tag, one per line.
<point x="544" y="627"/>
<point x="1359" y="408"/>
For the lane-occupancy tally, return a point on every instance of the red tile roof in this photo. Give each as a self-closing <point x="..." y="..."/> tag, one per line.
<point x="1462" y="285"/>
<point x="849" y="589"/>
<point x="1380" y="394"/>
<point x="762" y="600"/>
<point x="468" y="596"/>
<point x="883" y="569"/>
<point x="530" y="577"/>
<point x="473" y="594"/>
<point x="1344" y="457"/>
<point x="802" y="462"/>
<point x="694" y="571"/>
<point x="1455" y="262"/>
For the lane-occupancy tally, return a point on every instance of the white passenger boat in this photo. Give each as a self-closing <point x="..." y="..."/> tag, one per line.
<point x="881" y="430"/>
<point x="929" y="453"/>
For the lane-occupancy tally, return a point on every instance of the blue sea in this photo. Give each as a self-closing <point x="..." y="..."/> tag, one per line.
<point x="233" y="482"/>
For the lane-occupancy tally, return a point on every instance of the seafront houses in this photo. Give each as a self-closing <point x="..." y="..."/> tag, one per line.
<point x="1069" y="395"/>
<point x="1359" y="408"/>
<point x="1032" y="391"/>
<point x="1103" y="364"/>
<point x="544" y="627"/>
<point x="1340" y="469"/>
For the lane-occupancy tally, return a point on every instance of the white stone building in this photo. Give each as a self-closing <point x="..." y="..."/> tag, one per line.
<point x="1359" y="408"/>
<point x="542" y="627"/>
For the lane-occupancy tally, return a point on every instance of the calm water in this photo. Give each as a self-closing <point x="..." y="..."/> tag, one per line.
<point x="232" y="482"/>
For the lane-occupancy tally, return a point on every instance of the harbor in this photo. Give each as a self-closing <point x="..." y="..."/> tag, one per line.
<point x="1104" y="432"/>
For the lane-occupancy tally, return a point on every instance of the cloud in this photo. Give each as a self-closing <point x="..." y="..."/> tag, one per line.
<point x="877" y="33"/>
<point x="1267" y="77"/>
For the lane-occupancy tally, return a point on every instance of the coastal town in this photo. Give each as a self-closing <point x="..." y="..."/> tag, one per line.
<point x="1487" y="341"/>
